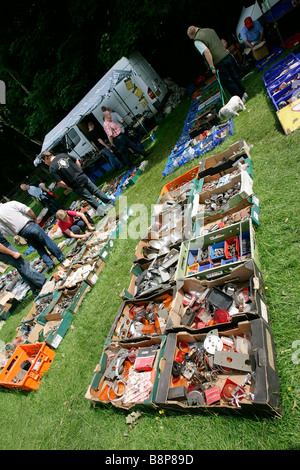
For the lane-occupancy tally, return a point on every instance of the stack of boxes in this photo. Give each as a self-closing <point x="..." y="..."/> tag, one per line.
<point x="192" y="332"/>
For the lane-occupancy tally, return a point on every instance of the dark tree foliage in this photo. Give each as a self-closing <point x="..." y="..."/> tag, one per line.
<point x="53" y="52"/>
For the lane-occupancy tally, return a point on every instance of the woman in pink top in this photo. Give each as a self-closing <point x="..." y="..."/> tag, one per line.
<point x="72" y="222"/>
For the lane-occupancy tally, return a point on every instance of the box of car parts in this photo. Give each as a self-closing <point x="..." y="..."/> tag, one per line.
<point x="248" y="208"/>
<point x="26" y="366"/>
<point x="92" y="278"/>
<point x="225" y="302"/>
<point x="224" y="160"/>
<point x="77" y="274"/>
<point x="52" y="330"/>
<point x="125" y="374"/>
<point x="70" y="299"/>
<point x="150" y="278"/>
<point x="209" y="252"/>
<point x="222" y="198"/>
<point x="219" y="179"/>
<point x="140" y="319"/>
<point x="226" y="370"/>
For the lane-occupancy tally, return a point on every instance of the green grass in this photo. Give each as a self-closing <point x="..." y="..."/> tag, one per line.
<point x="58" y="416"/>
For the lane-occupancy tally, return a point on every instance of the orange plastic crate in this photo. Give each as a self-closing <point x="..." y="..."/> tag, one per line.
<point x="38" y="357"/>
<point x="180" y="181"/>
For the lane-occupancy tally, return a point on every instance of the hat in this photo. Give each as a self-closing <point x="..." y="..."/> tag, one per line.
<point x="248" y="22"/>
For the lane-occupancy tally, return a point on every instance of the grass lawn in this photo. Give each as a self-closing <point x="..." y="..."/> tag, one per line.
<point x="58" y="416"/>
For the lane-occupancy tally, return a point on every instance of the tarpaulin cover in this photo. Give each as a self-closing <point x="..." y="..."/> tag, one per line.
<point x="91" y="100"/>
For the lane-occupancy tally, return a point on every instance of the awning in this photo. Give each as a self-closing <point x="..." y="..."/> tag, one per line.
<point x="91" y="100"/>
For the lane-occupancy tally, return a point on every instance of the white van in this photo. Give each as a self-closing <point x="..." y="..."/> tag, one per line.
<point x="136" y="90"/>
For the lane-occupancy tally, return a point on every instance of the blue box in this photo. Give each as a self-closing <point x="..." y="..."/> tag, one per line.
<point x="192" y="255"/>
<point x="245" y="236"/>
<point x="212" y="251"/>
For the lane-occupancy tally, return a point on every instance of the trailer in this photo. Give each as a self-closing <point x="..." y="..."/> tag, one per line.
<point x="131" y="87"/>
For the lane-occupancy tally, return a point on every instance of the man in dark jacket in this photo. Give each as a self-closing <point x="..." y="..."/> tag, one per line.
<point x="67" y="172"/>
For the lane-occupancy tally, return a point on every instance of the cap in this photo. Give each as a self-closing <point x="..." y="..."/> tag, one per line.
<point x="248" y="22"/>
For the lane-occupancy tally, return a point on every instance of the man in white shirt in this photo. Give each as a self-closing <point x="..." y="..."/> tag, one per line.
<point x="41" y="195"/>
<point x="18" y="219"/>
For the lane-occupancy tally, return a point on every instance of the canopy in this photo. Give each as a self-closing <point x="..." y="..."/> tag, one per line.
<point x="91" y="100"/>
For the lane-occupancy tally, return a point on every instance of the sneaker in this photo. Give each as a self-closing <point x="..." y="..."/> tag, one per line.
<point x="244" y="97"/>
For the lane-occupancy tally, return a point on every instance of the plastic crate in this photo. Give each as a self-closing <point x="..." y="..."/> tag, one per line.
<point x="232" y="241"/>
<point x="278" y="10"/>
<point x="274" y="87"/>
<point x="277" y="69"/>
<point x="178" y="182"/>
<point x="212" y="252"/>
<point x="27" y="366"/>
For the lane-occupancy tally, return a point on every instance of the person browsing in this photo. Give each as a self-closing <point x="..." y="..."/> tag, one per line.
<point x="119" y="139"/>
<point x="72" y="223"/>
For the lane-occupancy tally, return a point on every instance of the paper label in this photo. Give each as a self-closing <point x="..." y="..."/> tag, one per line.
<point x="94" y="279"/>
<point x="56" y="341"/>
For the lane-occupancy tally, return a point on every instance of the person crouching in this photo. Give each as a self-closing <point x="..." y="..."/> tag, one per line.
<point x="72" y="223"/>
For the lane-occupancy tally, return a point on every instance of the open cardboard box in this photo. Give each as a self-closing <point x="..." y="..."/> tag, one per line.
<point x="138" y="270"/>
<point x="248" y="208"/>
<point x="5" y="310"/>
<point x="246" y="275"/>
<point x="245" y="191"/>
<point x="224" y="160"/>
<point x="211" y="181"/>
<point x="214" y="267"/>
<point x="120" y="329"/>
<point x="53" y="330"/>
<point x="75" y="296"/>
<point x="265" y="387"/>
<point x="100" y="391"/>
<point x="88" y="270"/>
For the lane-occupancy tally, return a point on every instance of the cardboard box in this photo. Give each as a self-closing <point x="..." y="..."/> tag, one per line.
<point x="3" y="267"/>
<point x="75" y="296"/>
<point x="138" y="271"/>
<point x="5" y="311"/>
<point x="245" y="192"/>
<point x="92" y="278"/>
<point x="289" y="117"/>
<point x="220" y="266"/>
<point x="248" y="208"/>
<point x="120" y="329"/>
<point x="246" y="275"/>
<point x="260" y="51"/>
<point x="261" y="362"/>
<point x="83" y="272"/>
<point x="115" y="373"/>
<point x="209" y="182"/>
<point x="224" y="160"/>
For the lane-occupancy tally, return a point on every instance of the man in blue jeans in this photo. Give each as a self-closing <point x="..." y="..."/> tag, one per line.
<point x="18" y="219"/>
<point x="208" y="43"/>
<point x="10" y="255"/>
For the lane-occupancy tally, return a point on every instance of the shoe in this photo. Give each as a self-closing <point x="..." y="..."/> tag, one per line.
<point x="244" y="97"/>
<point x="48" y="269"/>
